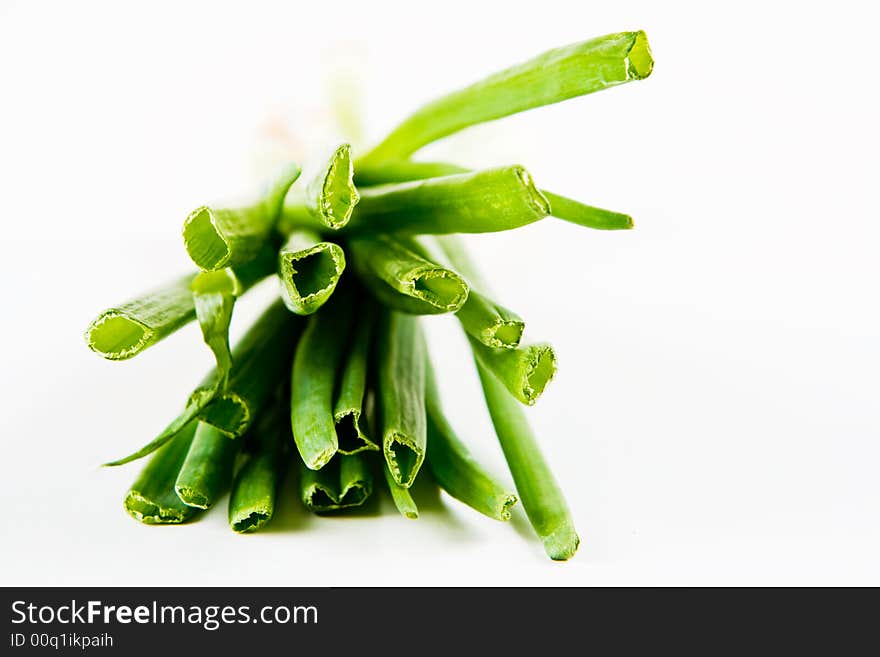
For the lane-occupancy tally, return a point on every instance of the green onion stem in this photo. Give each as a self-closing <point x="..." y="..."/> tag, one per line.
<point x="225" y="237"/>
<point x="554" y="76"/>
<point x="348" y="409"/>
<point x="310" y="270"/>
<point x="452" y="465"/>
<point x="401" y="396"/>
<point x="525" y="371"/>
<point x="561" y="207"/>
<point x="399" y="277"/>
<point x="151" y="498"/>
<point x="483" y="201"/>
<point x="207" y="470"/>
<point x="260" y="362"/>
<point x="255" y="487"/>
<point x="537" y="488"/>
<point x="480" y="316"/>
<point x="329" y="195"/>
<point x="343" y="483"/>
<point x="313" y="381"/>
<point x="401" y="496"/>
<point x="126" y="330"/>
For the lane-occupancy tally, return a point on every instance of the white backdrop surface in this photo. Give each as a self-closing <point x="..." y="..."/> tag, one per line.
<point x="715" y="417"/>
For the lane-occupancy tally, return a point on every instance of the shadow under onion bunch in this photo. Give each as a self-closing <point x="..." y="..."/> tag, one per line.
<point x="334" y="381"/>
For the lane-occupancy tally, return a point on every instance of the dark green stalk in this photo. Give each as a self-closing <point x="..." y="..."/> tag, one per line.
<point x="313" y="381"/>
<point x="256" y="485"/>
<point x="537" y="488"/>
<point x="207" y="470"/>
<point x="348" y="410"/>
<point x="401" y="496"/>
<point x="401" y="396"/>
<point x="151" y="498"/>
<point x="402" y="279"/>
<point x="329" y="195"/>
<point x="344" y="483"/>
<point x="524" y="371"/>
<point x="554" y="76"/>
<point x="226" y="237"/>
<point x="561" y="207"/>
<point x="309" y="271"/>
<point x="453" y="466"/>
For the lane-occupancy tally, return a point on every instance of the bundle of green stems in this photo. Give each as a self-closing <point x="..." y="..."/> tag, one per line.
<point x="333" y="384"/>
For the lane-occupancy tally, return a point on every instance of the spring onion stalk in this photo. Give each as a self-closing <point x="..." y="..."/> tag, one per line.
<point x="452" y="465"/>
<point x="207" y="470"/>
<point x="259" y="367"/>
<point x="541" y="497"/>
<point x="483" y="201"/>
<point x="126" y="330"/>
<point x="348" y="410"/>
<point x="256" y="485"/>
<point x="481" y="317"/>
<point x="214" y="294"/>
<point x="401" y="392"/>
<point x="151" y="499"/>
<point x="260" y="362"/>
<point x="329" y="195"/>
<point x="309" y="271"/>
<point x="554" y="76"/>
<point x="561" y="207"/>
<point x="401" y="496"/>
<point x="344" y="483"/>
<point x="225" y="237"/>
<point x="400" y="278"/>
<point x="524" y="371"/>
<point x="313" y="381"/>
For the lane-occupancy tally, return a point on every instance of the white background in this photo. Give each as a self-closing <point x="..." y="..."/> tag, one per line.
<point x="715" y="417"/>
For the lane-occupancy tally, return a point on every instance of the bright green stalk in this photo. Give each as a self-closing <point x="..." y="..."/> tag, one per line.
<point x="561" y="207"/>
<point x="401" y="496"/>
<point x="255" y="488"/>
<point x="401" y="396"/>
<point x="329" y="196"/>
<point x="540" y="494"/>
<point x="480" y="316"/>
<point x="313" y="381"/>
<point x="126" y="330"/>
<point x="207" y="470"/>
<point x="345" y="482"/>
<point x="453" y="466"/>
<point x="554" y="76"/>
<point x="151" y="499"/>
<point x="348" y="409"/>
<point x="586" y="215"/>
<point x="524" y="371"/>
<point x="476" y="202"/>
<point x="222" y="237"/>
<point x="402" y="279"/>
<point x="259" y="364"/>
<point x="309" y="271"/>
<point x="214" y="294"/>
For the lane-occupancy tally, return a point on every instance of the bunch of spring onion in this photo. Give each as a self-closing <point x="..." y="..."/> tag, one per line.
<point x="334" y="378"/>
